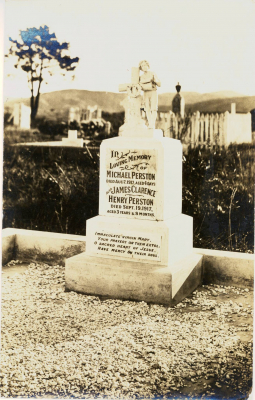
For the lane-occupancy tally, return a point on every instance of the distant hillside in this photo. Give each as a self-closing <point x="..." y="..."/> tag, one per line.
<point x="56" y="104"/>
<point x="243" y="105"/>
<point x="165" y="99"/>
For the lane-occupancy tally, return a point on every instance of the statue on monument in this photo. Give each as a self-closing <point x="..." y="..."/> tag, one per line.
<point x="132" y="105"/>
<point x="134" y="102"/>
<point x="149" y="82"/>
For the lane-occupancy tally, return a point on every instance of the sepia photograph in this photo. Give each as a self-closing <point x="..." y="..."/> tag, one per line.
<point x="128" y="133"/>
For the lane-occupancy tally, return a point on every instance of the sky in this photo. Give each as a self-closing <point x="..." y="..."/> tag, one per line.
<point x="206" y="45"/>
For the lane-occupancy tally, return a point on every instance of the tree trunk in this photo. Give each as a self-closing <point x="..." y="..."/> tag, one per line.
<point x="33" y="115"/>
<point x="31" y="107"/>
<point x="35" y="100"/>
<point x="34" y="109"/>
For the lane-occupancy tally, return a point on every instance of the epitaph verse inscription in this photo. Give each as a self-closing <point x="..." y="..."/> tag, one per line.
<point x="128" y="245"/>
<point x="131" y="178"/>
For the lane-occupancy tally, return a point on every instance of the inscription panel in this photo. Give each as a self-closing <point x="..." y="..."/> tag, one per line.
<point x="131" y="183"/>
<point x="147" y="246"/>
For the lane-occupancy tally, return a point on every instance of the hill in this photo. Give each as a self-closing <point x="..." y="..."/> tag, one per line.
<point x="55" y="105"/>
<point x="165" y="99"/>
<point x="243" y="105"/>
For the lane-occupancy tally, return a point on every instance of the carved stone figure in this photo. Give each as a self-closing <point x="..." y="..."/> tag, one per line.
<point x="132" y="103"/>
<point x="149" y="82"/>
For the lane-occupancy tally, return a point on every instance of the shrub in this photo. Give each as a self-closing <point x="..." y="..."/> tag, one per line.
<point x="218" y="194"/>
<point x="51" y="128"/>
<point x="116" y="120"/>
<point x="14" y="135"/>
<point x="50" y="189"/>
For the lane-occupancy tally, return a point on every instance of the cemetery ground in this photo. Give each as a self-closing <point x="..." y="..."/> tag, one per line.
<point x="64" y="344"/>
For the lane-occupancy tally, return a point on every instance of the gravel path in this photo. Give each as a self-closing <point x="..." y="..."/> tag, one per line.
<point x="64" y="344"/>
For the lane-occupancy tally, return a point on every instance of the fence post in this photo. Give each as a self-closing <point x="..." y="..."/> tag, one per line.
<point x="221" y="126"/>
<point x="197" y="125"/>
<point x="206" y="128"/>
<point x="225" y="127"/>
<point x="201" y="133"/>
<point x="176" y="126"/>
<point x="192" y="131"/>
<point x="216" y="128"/>
<point x="171" y="125"/>
<point x="211" y="129"/>
<point x="167" y="125"/>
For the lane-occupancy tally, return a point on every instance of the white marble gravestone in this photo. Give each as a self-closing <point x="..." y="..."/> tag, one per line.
<point x="21" y="116"/>
<point x="72" y="139"/>
<point x="140" y="246"/>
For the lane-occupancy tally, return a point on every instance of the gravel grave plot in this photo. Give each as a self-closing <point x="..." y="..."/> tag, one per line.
<point x="62" y="344"/>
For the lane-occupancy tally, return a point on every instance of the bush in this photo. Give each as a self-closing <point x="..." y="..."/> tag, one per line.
<point x="50" y="189"/>
<point x="57" y="190"/>
<point x="218" y="194"/>
<point x="14" y="135"/>
<point x="7" y="115"/>
<point x="51" y="128"/>
<point x="116" y="120"/>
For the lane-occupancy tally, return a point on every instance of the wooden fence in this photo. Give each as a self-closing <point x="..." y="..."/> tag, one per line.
<point x="195" y="129"/>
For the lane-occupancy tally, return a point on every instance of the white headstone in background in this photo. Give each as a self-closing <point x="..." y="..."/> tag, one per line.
<point x="21" y="116"/>
<point x="72" y="135"/>
<point x="233" y="108"/>
<point x="74" y="115"/>
<point x="72" y="139"/>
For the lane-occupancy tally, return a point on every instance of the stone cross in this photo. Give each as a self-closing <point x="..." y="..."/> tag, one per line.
<point x="125" y="87"/>
<point x="133" y="103"/>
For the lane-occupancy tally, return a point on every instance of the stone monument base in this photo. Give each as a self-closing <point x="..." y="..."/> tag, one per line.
<point x="72" y="142"/>
<point x="130" y="280"/>
<point x="161" y="242"/>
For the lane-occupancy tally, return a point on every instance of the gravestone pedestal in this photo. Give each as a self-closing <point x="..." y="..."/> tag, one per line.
<point x="128" y="280"/>
<point x="72" y="139"/>
<point x="140" y="247"/>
